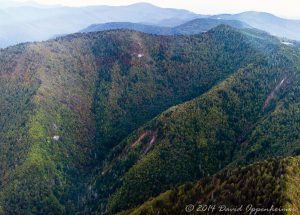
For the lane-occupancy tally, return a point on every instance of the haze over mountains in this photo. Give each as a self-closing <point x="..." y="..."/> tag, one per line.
<point x="194" y="26"/>
<point x="267" y="22"/>
<point x="27" y="23"/>
<point x="23" y="22"/>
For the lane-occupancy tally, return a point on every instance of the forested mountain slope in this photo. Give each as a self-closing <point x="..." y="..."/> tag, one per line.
<point x="246" y="189"/>
<point x="204" y="135"/>
<point x="46" y="125"/>
<point x="85" y="124"/>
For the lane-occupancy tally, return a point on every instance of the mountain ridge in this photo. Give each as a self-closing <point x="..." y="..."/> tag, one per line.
<point x="270" y="23"/>
<point x="194" y="26"/>
<point x="27" y="23"/>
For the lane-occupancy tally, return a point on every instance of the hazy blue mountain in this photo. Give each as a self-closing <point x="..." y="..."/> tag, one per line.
<point x="173" y="22"/>
<point x="25" y="22"/>
<point x="191" y="27"/>
<point x="274" y="25"/>
<point x="201" y="25"/>
<point x="264" y="21"/>
<point x="150" y="29"/>
<point x="33" y="23"/>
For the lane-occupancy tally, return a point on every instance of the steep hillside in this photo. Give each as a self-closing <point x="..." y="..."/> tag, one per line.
<point x="271" y="184"/>
<point x="46" y="126"/>
<point x="80" y="95"/>
<point x="202" y="136"/>
<point x="141" y="76"/>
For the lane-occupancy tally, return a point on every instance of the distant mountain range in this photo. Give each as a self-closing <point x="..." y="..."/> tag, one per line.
<point x="29" y="23"/>
<point x="272" y="24"/>
<point x="194" y="26"/>
<point x="24" y="22"/>
<point x="150" y="29"/>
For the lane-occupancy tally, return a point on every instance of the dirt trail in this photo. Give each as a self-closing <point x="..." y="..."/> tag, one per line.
<point x="139" y="139"/>
<point x="273" y="93"/>
<point x="152" y="135"/>
<point x="241" y="138"/>
<point x="150" y="144"/>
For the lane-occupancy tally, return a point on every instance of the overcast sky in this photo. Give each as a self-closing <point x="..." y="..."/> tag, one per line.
<point x="285" y="8"/>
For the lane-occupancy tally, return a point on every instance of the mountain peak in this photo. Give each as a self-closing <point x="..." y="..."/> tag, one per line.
<point x="143" y="4"/>
<point x="258" y="13"/>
